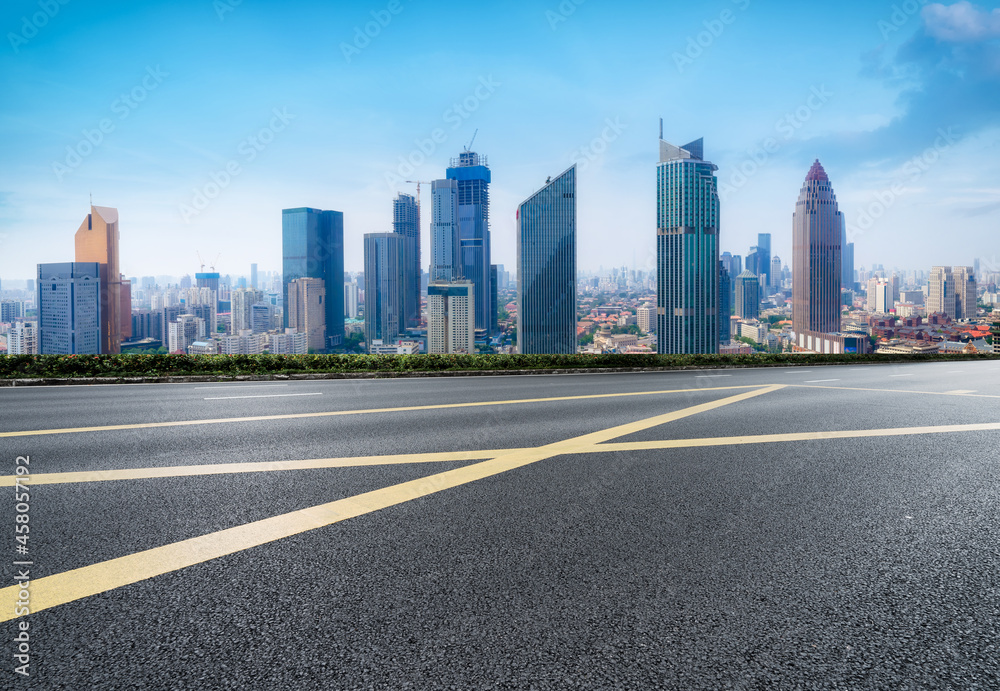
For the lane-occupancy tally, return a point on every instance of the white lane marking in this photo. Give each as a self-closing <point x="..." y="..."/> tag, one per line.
<point x="960" y="392"/>
<point x="280" y="395"/>
<point x="900" y="375"/>
<point x="801" y="371"/>
<point x="821" y="381"/>
<point x="712" y="376"/>
<point x="240" y="386"/>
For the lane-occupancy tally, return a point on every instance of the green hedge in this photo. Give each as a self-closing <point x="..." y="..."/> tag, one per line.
<point x="60" y="366"/>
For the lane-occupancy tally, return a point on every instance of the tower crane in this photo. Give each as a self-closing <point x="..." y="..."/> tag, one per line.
<point x="418" y="183"/>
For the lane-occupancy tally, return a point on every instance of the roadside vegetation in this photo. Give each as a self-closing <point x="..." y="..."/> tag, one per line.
<point x="154" y="366"/>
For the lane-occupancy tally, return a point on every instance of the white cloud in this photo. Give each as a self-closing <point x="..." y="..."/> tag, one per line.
<point x="961" y="22"/>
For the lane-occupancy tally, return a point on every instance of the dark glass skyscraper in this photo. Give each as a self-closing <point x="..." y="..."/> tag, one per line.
<point x="546" y="269"/>
<point x="687" y="251"/>
<point x="472" y="173"/>
<point x="406" y="222"/>
<point x="816" y="269"/>
<point x="764" y="256"/>
<point x="383" y="287"/>
<point x="313" y="247"/>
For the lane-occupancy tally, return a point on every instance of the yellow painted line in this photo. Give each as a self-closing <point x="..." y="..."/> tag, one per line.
<point x="370" y="411"/>
<point x="797" y="436"/>
<point x="904" y="391"/>
<point x="69" y="586"/>
<point x="263" y="467"/>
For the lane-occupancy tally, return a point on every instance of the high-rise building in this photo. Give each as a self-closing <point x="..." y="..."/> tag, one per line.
<point x="953" y="291"/>
<point x="383" y="287"/>
<point x="884" y="304"/>
<point x="966" y="291"/>
<point x="816" y="266"/>
<point x="747" y="296"/>
<point x="212" y="281"/>
<point x="262" y="318"/>
<point x="546" y="269"/>
<point x="446" y="265"/>
<point x="97" y="241"/>
<point x="472" y="173"/>
<point x="406" y="222"/>
<point x="764" y="256"/>
<point x="495" y="297"/>
<point x="11" y="310"/>
<point x="846" y="258"/>
<point x="313" y="247"/>
<point x="941" y="298"/>
<point x="306" y="311"/>
<point x="775" y="274"/>
<point x="188" y="329"/>
<point x="645" y="318"/>
<point x="242" y="308"/>
<point x="451" y="326"/>
<point x="69" y="308"/>
<point x="351" y="300"/>
<point x="253" y="277"/>
<point x="22" y="340"/>
<point x="687" y="251"/>
<point x="725" y="302"/>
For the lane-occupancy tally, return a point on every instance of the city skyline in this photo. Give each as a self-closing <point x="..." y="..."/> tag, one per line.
<point x="900" y="109"/>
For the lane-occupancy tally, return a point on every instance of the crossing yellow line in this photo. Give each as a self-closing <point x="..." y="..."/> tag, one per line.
<point x="370" y="411"/>
<point x="796" y="436"/>
<point x="70" y="586"/>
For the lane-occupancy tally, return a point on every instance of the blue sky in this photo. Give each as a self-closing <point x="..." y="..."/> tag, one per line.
<point x="218" y="114"/>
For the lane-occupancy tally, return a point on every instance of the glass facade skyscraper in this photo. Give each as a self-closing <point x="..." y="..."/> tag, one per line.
<point x="764" y="257"/>
<point x="472" y="173"/>
<point x="313" y="247"/>
<point x="687" y="251"/>
<point x="546" y="269"/>
<point x="69" y="308"/>
<point x="383" y="287"/>
<point x="406" y="223"/>
<point x="817" y="228"/>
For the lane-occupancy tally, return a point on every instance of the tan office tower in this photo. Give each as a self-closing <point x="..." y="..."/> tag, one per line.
<point x="966" y="292"/>
<point x="816" y="256"/>
<point x="451" y="318"/>
<point x="941" y="292"/>
<point x="307" y="311"/>
<point x="97" y="241"/>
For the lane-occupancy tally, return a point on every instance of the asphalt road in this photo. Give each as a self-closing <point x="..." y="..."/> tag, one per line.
<point x="820" y="528"/>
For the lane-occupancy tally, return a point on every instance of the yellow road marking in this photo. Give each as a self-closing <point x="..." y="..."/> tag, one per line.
<point x="338" y="413"/>
<point x="70" y="586"/>
<point x="263" y="467"/>
<point x="796" y="436"/>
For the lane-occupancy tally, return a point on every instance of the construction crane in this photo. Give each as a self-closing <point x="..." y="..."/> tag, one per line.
<point x="469" y="147"/>
<point x="418" y="183"/>
<point x="201" y="262"/>
<point x="216" y="261"/>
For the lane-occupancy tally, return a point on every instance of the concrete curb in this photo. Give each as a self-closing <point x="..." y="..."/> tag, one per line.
<point x="319" y="376"/>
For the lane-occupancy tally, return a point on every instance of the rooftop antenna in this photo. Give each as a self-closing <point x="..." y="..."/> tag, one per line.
<point x="468" y="149"/>
<point x="661" y="128"/>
